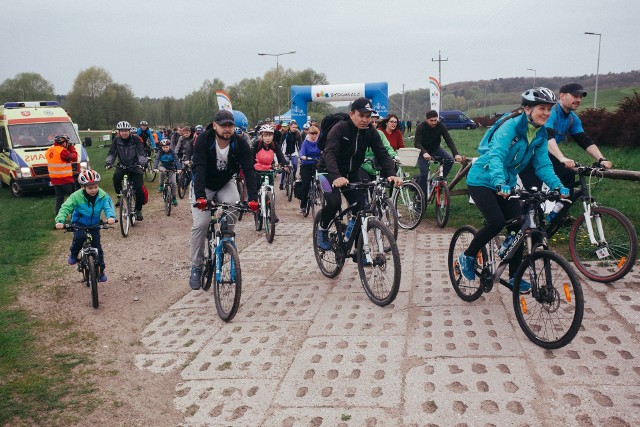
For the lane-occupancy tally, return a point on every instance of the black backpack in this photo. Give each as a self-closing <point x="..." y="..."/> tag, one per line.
<point x="325" y="126"/>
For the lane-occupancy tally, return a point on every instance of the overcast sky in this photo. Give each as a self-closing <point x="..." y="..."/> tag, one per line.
<point x="169" y="47"/>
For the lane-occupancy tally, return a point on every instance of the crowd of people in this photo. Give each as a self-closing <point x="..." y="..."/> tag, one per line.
<point x="526" y="144"/>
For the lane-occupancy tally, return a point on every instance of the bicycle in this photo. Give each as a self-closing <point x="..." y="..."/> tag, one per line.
<point x="380" y="203"/>
<point x="88" y="259"/>
<point x="167" y="195"/>
<point x="408" y="201"/>
<point x="239" y="180"/>
<point x="266" y="214"/>
<point x="127" y="202"/>
<point x="184" y="179"/>
<point x="369" y="243"/>
<point x="550" y="315"/>
<point x="315" y="197"/>
<point x="439" y="191"/>
<point x="288" y="179"/>
<point x="221" y="257"/>
<point x="602" y="242"/>
<point x="149" y="172"/>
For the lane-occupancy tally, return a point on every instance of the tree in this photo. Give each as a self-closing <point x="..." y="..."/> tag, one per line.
<point x="27" y="87"/>
<point x="85" y="100"/>
<point x="200" y="106"/>
<point x="118" y="104"/>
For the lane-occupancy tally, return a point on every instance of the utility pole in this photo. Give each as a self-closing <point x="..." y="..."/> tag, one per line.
<point x="440" y="61"/>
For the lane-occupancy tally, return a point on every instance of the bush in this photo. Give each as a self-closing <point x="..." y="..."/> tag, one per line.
<point x="619" y="129"/>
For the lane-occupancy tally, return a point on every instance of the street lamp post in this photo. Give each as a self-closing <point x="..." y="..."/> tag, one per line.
<point x="595" y="97"/>
<point x="277" y="55"/>
<point x="534" y="76"/>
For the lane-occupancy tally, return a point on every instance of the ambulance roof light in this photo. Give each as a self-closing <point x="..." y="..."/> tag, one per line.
<point x="31" y="104"/>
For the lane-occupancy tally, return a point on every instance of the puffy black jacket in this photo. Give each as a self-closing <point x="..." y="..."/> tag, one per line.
<point x="130" y="152"/>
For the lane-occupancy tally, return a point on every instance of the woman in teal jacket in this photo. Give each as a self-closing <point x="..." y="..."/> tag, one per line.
<point x="519" y="141"/>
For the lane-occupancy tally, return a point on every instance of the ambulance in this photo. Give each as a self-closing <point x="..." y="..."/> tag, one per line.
<point x="27" y="129"/>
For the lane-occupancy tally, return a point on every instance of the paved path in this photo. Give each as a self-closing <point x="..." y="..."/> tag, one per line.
<point x="305" y="350"/>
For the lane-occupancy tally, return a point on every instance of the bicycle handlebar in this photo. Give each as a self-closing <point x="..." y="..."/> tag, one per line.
<point x="73" y="227"/>
<point x="211" y="206"/>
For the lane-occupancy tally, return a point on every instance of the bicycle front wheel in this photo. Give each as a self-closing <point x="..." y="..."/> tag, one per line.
<point x="93" y="280"/>
<point x="207" y="265"/>
<point x="125" y="215"/>
<point x="409" y="203"/>
<point x="183" y="184"/>
<point x="289" y="179"/>
<point x="330" y="261"/>
<point x="132" y="205"/>
<point x="467" y="290"/>
<point x="614" y="255"/>
<point x="551" y="314"/>
<point x="379" y="263"/>
<point x="442" y="202"/>
<point x="227" y="290"/>
<point x="149" y="172"/>
<point x="270" y="222"/>
<point x="166" y="196"/>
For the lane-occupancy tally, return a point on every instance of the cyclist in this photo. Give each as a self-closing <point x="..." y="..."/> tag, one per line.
<point x="343" y="155"/>
<point x="519" y="141"/>
<point x="305" y="131"/>
<point x="389" y="126"/>
<point x="429" y="133"/>
<point x="266" y="150"/>
<point x="309" y="156"/>
<point x="199" y="130"/>
<point x="168" y="163"/>
<point x="60" y="158"/>
<point x="130" y="153"/>
<point x="218" y="154"/>
<point x="147" y="136"/>
<point x="291" y="141"/>
<point x="562" y="123"/>
<point x="367" y="170"/>
<point x="85" y="206"/>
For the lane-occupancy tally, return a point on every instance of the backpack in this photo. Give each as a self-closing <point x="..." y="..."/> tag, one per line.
<point x="297" y="189"/>
<point x="486" y="139"/>
<point x="325" y="126"/>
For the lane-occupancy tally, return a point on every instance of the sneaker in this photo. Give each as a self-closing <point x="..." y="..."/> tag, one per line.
<point x="322" y="238"/>
<point x="71" y="260"/>
<point x="525" y="287"/>
<point x="467" y="266"/>
<point x="160" y="188"/>
<point x="102" y="278"/>
<point x="281" y="186"/>
<point x="139" y="216"/>
<point x="174" y="201"/>
<point x="194" y="278"/>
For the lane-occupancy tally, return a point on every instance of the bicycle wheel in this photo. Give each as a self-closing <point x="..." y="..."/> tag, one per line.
<point x="166" y="196"/>
<point x="125" y="217"/>
<point x="408" y="201"/>
<point x="332" y="260"/>
<point x="467" y="290"/>
<point x="289" y="179"/>
<point x="270" y="223"/>
<point x="207" y="265"/>
<point x="616" y="253"/>
<point x="132" y="205"/>
<point x="257" y="217"/>
<point x="150" y="173"/>
<point x="442" y="202"/>
<point x="228" y="289"/>
<point x="93" y="280"/>
<point x="85" y="274"/>
<point x="183" y="184"/>
<point x="379" y="267"/>
<point x="551" y="314"/>
<point x="388" y="215"/>
<point x="318" y="199"/>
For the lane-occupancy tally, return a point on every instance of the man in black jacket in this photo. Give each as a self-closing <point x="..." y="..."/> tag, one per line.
<point x="342" y="157"/>
<point x="218" y="154"/>
<point x="428" y="137"/>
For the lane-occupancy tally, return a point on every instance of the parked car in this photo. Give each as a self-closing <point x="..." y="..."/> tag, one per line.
<point x="456" y="119"/>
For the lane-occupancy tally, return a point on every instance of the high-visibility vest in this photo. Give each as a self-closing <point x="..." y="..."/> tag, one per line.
<point x="60" y="172"/>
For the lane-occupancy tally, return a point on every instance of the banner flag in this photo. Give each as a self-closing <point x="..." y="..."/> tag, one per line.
<point x="434" y="93"/>
<point x="224" y="102"/>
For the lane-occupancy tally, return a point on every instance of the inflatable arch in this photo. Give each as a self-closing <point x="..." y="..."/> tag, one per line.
<point x="301" y="95"/>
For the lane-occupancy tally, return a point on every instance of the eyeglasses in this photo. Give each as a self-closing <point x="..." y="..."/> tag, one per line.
<point x="393" y="121"/>
<point x="313" y="133"/>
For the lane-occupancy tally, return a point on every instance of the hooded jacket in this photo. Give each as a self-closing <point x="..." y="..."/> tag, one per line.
<point x="82" y="212"/>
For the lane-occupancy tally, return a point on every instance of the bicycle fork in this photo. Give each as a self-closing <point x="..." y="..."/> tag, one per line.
<point x="587" y="220"/>
<point x="366" y="246"/>
<point x="232" y="266"/>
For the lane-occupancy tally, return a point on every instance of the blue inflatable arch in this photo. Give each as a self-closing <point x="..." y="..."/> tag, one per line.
<point x="301" y="95"/>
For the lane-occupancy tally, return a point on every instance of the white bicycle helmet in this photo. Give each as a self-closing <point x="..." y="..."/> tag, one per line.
<point x="266" y="128"/>
<point x="144" y="123"/>
<point x="538" y="95"/>
<point x="123" y="125"/>
<point x="88" y="176"/>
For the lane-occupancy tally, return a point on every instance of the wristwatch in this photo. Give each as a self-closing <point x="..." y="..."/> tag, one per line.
<point x="602" y="159"/>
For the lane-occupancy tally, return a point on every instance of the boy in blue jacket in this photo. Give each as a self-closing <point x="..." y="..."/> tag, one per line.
<point x="85" y="207"/>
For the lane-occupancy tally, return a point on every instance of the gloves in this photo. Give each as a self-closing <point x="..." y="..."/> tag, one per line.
<point x="107" y="167"/>
<point x="201" y="203"/>
<point x="253" y="206"/>
<point x="564" y="192"/>
<point x="503" y="189"/>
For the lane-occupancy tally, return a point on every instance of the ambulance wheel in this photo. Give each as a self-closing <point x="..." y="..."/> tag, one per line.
<point x="15" y="189"/>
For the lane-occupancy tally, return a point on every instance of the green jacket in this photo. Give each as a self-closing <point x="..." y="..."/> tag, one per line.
<point x="368" y="155"/>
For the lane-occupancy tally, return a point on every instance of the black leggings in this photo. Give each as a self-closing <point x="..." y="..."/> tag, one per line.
<point x="496" y="210"/>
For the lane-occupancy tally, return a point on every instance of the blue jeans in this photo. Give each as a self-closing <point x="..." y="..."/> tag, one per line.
<point x="424" y="167"/>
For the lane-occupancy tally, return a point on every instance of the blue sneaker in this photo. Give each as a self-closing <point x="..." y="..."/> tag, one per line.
<point x="525" y="287"/>
<point x="194" y="279"/>
<point x="322" y="238"/>
<point x="102" y="278"/>
<point x="467" y="266"/>
<point x="71" y="260"/>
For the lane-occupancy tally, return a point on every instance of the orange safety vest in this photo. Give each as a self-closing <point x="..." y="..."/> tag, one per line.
<point x="60" y="172"/>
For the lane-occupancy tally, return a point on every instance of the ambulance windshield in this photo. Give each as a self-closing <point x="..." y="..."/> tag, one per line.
<point x="40" y="134"/>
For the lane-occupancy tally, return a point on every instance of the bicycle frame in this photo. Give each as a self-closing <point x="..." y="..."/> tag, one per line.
<point x="266" y="188"/>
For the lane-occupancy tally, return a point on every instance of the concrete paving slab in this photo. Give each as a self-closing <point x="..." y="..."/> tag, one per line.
<point x="271" y="303"/>
<point x="344" y="417"/>
<point x="183" y="331"/>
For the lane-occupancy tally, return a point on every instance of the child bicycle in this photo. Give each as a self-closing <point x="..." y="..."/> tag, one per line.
<point x="221" y="257"/>
<point x="551" y="313"/>
<point x="602" y="242"/>
<point x="375" y="251"/>
<point x="88" y="259"/>
<point x="266" y="214"/>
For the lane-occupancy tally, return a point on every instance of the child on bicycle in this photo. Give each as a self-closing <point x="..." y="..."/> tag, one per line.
<point x="266" y="150"/>
<point x="309" y="156"/>
<point x="168" y="164"/>
<point x="85" y="207"/>
<point x="517" y="142"/>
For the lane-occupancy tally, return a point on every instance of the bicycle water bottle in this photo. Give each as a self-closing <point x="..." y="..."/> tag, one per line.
<point x="352" y="222"/>
<point x="556" y="209"/>
<point x="506" y="244"/>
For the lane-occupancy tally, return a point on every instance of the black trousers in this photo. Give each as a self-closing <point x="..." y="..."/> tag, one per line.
<point x="566" y="175"/>
<point x="62" y="191"/>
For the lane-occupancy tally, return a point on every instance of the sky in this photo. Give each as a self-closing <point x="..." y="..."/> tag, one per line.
<point x="170" y="47"/>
